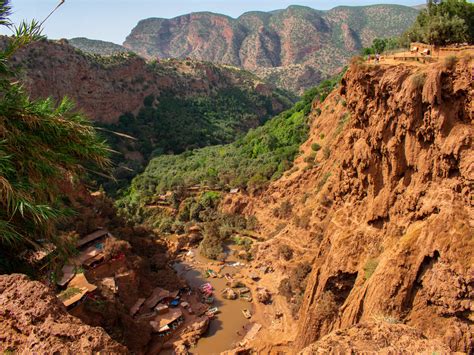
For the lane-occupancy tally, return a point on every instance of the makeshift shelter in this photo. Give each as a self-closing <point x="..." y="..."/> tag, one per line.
<point x="135" y="308"/>
<point x="162" y="309"/>
<point x="91" y="237"/>
<point x="166" y="320"/>
<point x="78" y="287"/>
<point x="68" y="273"/>
<point x="159" y="295"/>
<point x="89" y="255"/>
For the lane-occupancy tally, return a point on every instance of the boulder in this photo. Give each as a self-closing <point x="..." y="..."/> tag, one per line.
<point x="229" y="294"/>
<point x="264" y="296"/>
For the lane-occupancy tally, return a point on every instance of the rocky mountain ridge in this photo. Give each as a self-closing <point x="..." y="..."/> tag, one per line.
<point x="105" y="87"/>
<point x="94" y="46"/>
<point x="294" y="47"/>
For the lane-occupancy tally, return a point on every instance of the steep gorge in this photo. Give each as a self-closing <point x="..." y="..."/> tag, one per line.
<point x="380" y="205"/>
<point x="155" y="107"/>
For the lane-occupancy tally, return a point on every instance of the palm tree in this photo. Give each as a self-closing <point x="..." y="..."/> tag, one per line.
<point x="43" y="147"/>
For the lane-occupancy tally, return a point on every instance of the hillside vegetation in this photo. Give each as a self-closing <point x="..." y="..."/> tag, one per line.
<point x="259" y="157"/>
<point x="445" y="22"/>
<point x="94" y="46"/>
<point x="145" y="109"/>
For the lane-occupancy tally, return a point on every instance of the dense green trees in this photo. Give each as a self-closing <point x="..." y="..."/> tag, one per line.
<point x="380" y="45"/>
<point x="262" y="155"/>
<point x="444" y="22"/>
<point x="441" y="23"/>
<point x="172" y="124"/>
<point x="43" y="148"/>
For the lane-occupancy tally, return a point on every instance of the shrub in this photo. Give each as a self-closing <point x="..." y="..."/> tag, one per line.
<point x="303" y="221"/>
<point x="323" y="181"/>
<point x="326" y="306"/>
<point x="252" y="223"/>
<point x="309" y="159"/>
<point x="285" y="252"/>
<point x="277" y="230"/>
<point x="370" y="267"/>
<point x="450" y="62"/>
<point x="284" y="289"/>
<point x="326" y="152"/>
<point x="342" y="122"/>
<point x="418" y="81"/>
<point x="315" y="146"/>
<point x="211" y="245"/>
<point x="284" y="211"/>
<point x="294" y="286"/>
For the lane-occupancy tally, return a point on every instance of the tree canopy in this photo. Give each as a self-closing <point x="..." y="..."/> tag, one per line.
<point x="444" y="22"/>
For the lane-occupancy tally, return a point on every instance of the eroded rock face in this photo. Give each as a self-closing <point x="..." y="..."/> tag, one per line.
<point x="389" y="217"/>
<point x="375" y="338"/>
<point x="33" y="320"/>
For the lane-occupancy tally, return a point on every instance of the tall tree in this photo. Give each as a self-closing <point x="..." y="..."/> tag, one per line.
<point x="444" y="22"/>
<point x="43" y="147"/>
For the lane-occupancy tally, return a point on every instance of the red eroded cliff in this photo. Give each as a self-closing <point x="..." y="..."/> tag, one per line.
<point x="380" y="205"/>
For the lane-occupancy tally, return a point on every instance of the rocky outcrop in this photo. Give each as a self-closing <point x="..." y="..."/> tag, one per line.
<point x="192" y="333"/>
<point x="294" y="47"/>
<point x="381" y="205"/>
<point x="94" y="46"/>
<point x="376" y="338"/>
<point x="33" y="320"/>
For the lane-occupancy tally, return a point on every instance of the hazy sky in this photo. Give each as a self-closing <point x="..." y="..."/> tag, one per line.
<point x="112" y="20"/>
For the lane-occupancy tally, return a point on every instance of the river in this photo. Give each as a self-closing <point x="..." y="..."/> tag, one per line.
<point x="227" y="328"/>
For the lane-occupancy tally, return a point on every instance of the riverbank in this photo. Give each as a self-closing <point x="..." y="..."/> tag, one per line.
<point x="229" y="325"/>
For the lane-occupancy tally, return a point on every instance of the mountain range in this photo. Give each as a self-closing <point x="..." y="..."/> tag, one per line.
<point x="294" y="48"/>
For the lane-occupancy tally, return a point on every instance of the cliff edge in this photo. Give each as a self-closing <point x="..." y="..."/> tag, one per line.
<point x="379" y="205"/>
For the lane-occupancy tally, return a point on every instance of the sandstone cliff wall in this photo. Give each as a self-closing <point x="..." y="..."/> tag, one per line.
<point x="387" y="205"/>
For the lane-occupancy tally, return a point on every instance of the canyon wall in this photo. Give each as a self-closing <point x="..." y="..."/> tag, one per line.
<point x="380" y="205"/>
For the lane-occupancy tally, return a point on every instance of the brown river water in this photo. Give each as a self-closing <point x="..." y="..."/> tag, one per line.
<point x="227" y="328"/>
